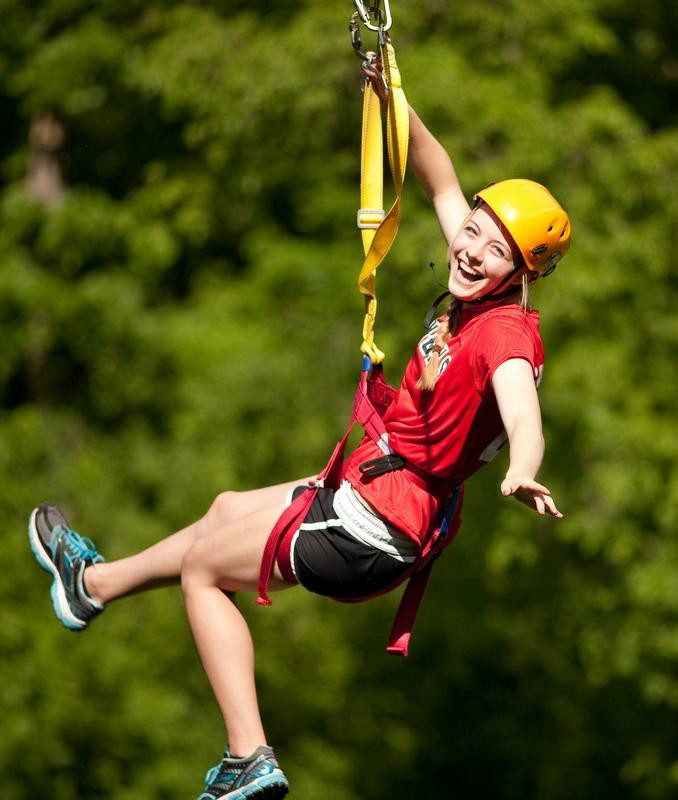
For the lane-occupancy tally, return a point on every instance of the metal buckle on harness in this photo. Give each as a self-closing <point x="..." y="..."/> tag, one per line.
<point x="382" y="465"/>
<point x="370" y="218"/>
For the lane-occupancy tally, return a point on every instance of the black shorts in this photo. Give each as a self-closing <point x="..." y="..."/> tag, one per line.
<point x="329" y="561"/>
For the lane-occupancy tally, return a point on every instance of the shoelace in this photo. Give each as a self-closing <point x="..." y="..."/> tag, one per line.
<point x="77" y="546"/>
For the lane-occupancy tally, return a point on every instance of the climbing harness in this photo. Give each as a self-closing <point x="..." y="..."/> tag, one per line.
<point x="378" y="230"/>
<point x="372" y="398"/>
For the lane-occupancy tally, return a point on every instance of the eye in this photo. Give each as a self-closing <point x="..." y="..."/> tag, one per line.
<point x="498" y="251"/>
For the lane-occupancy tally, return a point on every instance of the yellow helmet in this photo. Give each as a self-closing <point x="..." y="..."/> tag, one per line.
<point x="534" y="219"/>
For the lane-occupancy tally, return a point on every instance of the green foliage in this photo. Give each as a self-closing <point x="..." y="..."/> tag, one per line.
<point x="196" y="284"/>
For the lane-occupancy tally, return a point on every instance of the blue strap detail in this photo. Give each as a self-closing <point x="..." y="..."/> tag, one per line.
<point x="448" y="512"/>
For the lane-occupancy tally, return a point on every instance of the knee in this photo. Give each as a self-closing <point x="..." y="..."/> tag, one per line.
<point x="194" y="567"/>
<point x="224" y="506"/>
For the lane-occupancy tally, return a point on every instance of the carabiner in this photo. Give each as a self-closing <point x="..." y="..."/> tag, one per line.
<point x="367" y="58"/>
<point x="384" y="19"/>
<point x="356" y="39"/>
<point x="367" y="13"/>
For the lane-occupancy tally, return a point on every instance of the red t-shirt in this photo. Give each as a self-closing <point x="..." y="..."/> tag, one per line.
<point x="455" y="429"/>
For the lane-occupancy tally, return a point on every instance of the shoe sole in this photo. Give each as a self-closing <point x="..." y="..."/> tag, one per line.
<point x="57" y="590"/>
<point x="268" y="787"/>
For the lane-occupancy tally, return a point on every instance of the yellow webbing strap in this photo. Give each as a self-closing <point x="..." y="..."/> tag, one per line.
<point x="378" y="229"/>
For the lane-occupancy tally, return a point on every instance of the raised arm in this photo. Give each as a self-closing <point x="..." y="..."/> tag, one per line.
<point x="518" y="403"/>
<point x="431" y="164"/>
<point x="435" y="172"/>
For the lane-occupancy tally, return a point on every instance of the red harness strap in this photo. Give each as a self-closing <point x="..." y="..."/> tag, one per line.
<point x="372" y="398"/>
<point x="399" y="638"/>
<point x="291" y="518"/>
<point x="417" y="576"/>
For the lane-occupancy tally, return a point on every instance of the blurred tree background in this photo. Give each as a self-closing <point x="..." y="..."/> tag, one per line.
<point x="178" y="185"/>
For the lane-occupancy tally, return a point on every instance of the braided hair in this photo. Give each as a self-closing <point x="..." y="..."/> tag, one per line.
<point x="446" y="330"/>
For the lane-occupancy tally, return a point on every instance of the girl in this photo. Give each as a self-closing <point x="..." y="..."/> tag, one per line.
<point x="470" y="384"/>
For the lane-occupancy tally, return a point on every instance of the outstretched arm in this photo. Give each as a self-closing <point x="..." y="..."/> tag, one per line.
<point x="431" y="164"/>
<point x="518" y="403"/>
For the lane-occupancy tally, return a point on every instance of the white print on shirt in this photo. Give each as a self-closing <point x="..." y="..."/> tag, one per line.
<point x="499" y="441"/>
<point x="538" y="373"/>
<point x="427" y="344"/>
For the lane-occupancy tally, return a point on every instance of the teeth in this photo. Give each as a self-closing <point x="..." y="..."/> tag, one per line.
<point x="471" y="276"/>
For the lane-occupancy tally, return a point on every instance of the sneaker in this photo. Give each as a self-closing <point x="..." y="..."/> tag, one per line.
<point x="65" y="554"/>
<point x="257" y="777"/>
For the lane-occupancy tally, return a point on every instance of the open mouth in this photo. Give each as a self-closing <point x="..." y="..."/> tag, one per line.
<point x="467" y="274"/>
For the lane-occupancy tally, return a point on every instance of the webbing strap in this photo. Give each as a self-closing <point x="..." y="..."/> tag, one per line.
<point x="292" y="517"/>
<point x="417" y="576"/>
<point x="401" y="632"/>
<point x="379" y="230"/>
<point x="368" y="416"/>
<point x="295" y="513"/>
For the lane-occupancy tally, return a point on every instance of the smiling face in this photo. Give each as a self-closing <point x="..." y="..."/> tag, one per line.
<point x="482" y="255"/>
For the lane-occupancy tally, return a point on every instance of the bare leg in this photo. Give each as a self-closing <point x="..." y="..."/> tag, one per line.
<point x="160" y="564"/>
<point x="228" y="559"/>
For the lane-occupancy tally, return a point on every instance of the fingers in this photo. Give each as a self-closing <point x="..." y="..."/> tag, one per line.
<point x="373" y="71"/>
<point x="512" y="485"/>
<point x="377" y="81"/>
<point x="507" y="488"/>
<point x="371" y="67"/>
<point x="532" y="494"/>
<point x="551" y="507"/>
<point x="373" y="61"/>
<point x="543" y="504"/>
<point x="539" y="505"/>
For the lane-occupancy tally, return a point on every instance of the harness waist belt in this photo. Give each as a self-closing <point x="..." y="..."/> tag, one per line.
<point x="436" y="486"/>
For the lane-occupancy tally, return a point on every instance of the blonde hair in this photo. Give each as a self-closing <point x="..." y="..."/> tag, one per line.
<point x="446" y="330"/>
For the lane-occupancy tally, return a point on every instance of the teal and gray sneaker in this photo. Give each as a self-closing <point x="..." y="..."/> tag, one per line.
<point x="257" y="777"/>
<point x="65" y="554"/>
